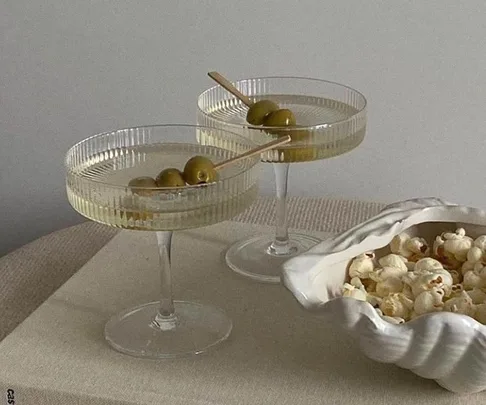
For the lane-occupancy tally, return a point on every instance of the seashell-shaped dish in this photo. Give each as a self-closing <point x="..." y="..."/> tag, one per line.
<point x="446" y="347"/>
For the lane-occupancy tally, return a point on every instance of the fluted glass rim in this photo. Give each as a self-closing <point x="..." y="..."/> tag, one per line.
<point x="361" y="111"/>
<point x="244" y="140"/>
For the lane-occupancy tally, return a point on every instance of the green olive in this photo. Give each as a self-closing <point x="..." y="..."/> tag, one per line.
<point x="299" y="135"/>
<point x="138" y="216"/>
<point x="142" y="182"/>
<point x="170" y="178"/>
<point x="199" y="170"/>
<point x="280" y="118"/>
<point x="298" y="153"/>
<point x="130" y="212"/>
<point x="258" y="111"/>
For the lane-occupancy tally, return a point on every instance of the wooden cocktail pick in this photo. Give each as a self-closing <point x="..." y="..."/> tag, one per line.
<point x="226" y="84"/>
<point x="260" y="149"/>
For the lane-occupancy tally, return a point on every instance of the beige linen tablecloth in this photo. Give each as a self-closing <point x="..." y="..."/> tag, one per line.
<point x="32" y="273"/>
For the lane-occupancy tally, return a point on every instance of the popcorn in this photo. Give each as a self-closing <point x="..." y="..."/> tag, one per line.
<point x="448" y="259"/>
<point x="398" y="245"/>
<point x="411" y="248"/>
<point x="353" y="292"/>
<point x="393" y="260"/>
<point x="396" y="305"/>
<point x="362" y="265"/>
<point x="475" y="258"/>
<point x="480" y="269"/>
<point x="428" y="264"/>
<point x="456" y="276"/>
<point x="418" y="247"/>
<point x="360" y="284"/>
<point x="475" y="254"/>
<point x="458" y="244"/>
<point x="477" y="295"/>
<point x="415" y="279"/>
<point x="480" y="314"/>
<point x="461" y="305"/>
<point x="370" y="285"/>
<point x="356" y="282"/>
<point x="410" y="279"/>
<point x="388" y="272"/>
<point x="447" y="279"/>
<point x="425" y="282"/>
<point x="410" y="265"/>
<point x="456" y="290"/>
<point x="459" y="234"/>
<point x="474" y="279"/>
<point x="407" y="291"/>
<point x="480" y="242"/>
<point x="467" y="266"/>
<point x="374" y="299"/>
<point x="459" y="248"/>
<point x="389" y="286"/>
<point x="438" y="243"/>
<point x="429" y="301"/>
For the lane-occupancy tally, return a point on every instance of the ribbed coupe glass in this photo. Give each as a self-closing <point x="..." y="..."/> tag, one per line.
<point x="98" y="171"/>
<point x="331" y="120"/>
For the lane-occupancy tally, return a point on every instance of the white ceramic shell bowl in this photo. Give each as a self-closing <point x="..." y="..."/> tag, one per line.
<point x="446" y="347"/>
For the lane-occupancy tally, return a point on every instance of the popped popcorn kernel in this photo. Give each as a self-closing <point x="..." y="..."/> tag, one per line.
<point x="480" y="314"/>
<point x="480" y="242"/>
<point x="353" y="292"/>
<point x="387" y="272"/>
<point x="362" y="265"/>
<point x="474" y="254"/>
<point x="418" y="246"/>
<point x="473" y="279"/>
<point x="389" y="286"/>
<point x="478" y="296"/>
<point x="428" y="264"/>
<point x="462" y="304"/>
<point x="429" y="301"/>
<point x="393" y="260"/>
<point x="396" y="305"/>
<point x="398" y="245"/>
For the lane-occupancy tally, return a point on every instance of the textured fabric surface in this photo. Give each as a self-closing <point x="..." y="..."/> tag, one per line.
<point x="277" y="353"/>
<point x="32" y="273"/>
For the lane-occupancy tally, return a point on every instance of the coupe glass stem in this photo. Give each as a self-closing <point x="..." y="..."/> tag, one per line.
<point x="281" y="245"/>
<point x="166" y="318"/>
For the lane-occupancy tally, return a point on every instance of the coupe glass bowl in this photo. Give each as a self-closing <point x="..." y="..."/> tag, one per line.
<point x="331" y="121"/>
<point x="98" y="171"/>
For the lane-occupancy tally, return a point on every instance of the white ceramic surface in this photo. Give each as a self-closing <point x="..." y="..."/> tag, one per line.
<point x="449" y="348"/>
